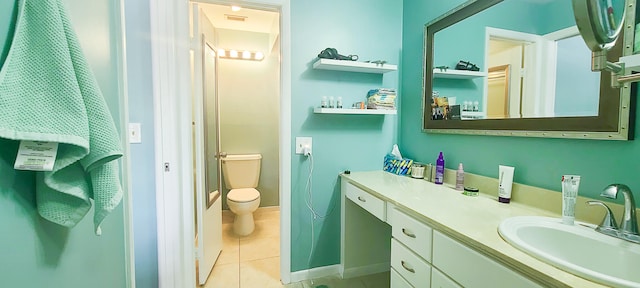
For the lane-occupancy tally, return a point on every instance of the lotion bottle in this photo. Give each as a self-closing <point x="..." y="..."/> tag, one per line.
<point x="439" y="170"/>
<point x="460" y="178"/>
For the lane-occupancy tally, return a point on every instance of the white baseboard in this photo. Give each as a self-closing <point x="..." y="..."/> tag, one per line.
<point x="314" y="273"/>
<point x="366" y="270"/>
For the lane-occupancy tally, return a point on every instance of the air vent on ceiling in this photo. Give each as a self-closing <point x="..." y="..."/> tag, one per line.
<point x="235" y="17"/>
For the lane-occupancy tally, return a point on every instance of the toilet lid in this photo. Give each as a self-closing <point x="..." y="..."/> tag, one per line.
<point x="243" y="195"/>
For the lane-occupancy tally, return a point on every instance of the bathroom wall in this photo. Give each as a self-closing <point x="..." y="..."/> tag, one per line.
<point x="37" y="253"/>
<point x="372" y="30"/>
<point x="140" y="90"/>
<point x="539" y="162"/>
<point x="249" y="97"/>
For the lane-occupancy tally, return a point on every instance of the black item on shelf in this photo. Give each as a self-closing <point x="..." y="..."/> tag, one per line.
<point x="332" y="53"/>
<point x="466" y="65"/>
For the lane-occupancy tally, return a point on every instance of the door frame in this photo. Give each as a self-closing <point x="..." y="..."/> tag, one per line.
<point x="172" y="125"/>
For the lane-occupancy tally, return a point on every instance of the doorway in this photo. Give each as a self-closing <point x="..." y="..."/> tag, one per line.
<point x="243" y="46"/>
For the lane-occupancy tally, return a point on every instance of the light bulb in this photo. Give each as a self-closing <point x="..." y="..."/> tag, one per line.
<point x="233" y="54"/>
<point x="246" y="55"/>
<point x="258" y="56"/>
<point x="235" y="8"/>
<point x="222" y="53"/>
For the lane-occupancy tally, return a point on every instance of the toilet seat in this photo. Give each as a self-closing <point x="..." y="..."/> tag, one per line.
<point x="241" y="195"/>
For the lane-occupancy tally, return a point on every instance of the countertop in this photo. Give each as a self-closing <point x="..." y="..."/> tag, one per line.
<point x="471" y="220"/>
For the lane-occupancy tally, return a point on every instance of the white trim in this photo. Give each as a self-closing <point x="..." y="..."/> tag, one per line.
<point x="366" y="270"/>
<point x="170" y="46"/>
<point x="318" y="272"/>
<point x="125" y="166"/>
<point x="531" y="86"/>
<point x="170" y="58"/>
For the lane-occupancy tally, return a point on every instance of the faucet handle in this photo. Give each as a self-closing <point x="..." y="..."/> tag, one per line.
<point x="608" y="225"/>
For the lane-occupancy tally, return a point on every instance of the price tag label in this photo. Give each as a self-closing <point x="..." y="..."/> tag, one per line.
<point x="36" y="156"/>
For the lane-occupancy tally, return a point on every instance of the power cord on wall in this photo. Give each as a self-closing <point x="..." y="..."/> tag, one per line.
<point x="309" y="201"/>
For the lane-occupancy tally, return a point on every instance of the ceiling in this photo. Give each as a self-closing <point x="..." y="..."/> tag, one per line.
<point x="254" y="20"/>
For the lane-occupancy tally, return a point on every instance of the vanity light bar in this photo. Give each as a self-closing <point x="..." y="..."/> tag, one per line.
<point x="241" y="55"/>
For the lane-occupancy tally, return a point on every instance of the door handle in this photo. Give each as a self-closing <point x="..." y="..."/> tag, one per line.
<point x="404" y="265"/>
<point x="405" y="232"/>
<point x="220" y="155"/>
<point x="362" y="199"/>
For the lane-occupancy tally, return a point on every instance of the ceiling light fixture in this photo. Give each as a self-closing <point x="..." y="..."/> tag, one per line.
<point x="244" y="55"/>
<point x="235" y="8"/>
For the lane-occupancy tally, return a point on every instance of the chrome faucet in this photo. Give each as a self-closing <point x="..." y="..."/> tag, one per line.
<point x="628" y="225"/>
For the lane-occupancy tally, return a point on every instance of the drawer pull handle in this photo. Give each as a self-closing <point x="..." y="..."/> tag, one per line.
<point x="404" y="265"/>
<point x="405" y="232"/>
<point x="362" y="199"/>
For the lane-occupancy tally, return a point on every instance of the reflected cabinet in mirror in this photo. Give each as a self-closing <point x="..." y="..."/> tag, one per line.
<point x="521" y="68"/>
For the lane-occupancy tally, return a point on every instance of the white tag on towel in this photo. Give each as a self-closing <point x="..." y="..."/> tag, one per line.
<point x="36" y="156"/>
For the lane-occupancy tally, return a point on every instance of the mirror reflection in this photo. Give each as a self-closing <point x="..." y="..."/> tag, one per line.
<point x="519" y="68"/>
<point x="532" y="63"/>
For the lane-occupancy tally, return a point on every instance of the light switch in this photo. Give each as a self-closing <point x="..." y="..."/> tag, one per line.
<point x="135" y="134"/>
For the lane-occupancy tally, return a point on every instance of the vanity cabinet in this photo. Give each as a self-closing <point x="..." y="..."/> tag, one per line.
<point x="379" y="235"/>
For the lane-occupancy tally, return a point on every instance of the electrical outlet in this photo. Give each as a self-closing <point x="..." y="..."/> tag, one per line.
<point x="302" y="142"/>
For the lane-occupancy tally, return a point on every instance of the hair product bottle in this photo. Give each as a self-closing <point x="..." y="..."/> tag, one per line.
<point x="439" y="169"/>
<point x="460" y="178"/>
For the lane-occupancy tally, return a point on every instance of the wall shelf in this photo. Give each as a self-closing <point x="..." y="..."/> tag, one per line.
<point x="353" y="66"/>
<point x="354" y="111"/>
<point x="458" y="74"/>
<point x="472" y="115"/>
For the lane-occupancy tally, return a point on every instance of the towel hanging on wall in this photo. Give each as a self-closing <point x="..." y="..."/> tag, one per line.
<point x="48" y="93"/>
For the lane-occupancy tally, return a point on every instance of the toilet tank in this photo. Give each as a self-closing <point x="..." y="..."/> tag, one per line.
<point x="241" y="170"/>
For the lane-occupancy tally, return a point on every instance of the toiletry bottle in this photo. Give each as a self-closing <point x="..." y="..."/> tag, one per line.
<point x="331" y="103"/>
<point x="339" y="102"/>
<point x="439" y="169"/>
<point x="323" y="103"/>
<point x="460" y="178"/>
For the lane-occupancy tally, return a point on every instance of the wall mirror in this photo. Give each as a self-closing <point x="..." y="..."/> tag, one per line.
<point x="521" y="68"/>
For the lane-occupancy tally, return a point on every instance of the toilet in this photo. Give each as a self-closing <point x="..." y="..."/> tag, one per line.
<point x="241" y="174"/>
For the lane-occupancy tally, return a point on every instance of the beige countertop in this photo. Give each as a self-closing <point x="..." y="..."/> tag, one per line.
<point x="471" y="220"/>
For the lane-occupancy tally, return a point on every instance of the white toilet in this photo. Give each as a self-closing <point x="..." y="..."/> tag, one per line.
<point x="241" y="175"/>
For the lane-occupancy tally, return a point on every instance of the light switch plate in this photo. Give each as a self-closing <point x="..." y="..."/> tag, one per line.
<point x="135" y="134"/>
<point x="301" y="142"/>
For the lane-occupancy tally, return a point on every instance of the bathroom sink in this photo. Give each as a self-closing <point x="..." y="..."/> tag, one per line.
<point x="577" y="249"/>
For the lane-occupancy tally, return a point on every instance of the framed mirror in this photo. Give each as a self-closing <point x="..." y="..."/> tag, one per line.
<point x="521" y="68"/>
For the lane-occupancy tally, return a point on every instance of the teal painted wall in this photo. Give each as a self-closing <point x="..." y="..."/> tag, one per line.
<point x="466" y="40"/>
<point x="142" y="155"/>
<point x="37" y="253"/>
<point x="372" y="30"/>
<point x="538" y="162"/>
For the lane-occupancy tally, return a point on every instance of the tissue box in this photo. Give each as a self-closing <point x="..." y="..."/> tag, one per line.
<point x="397" y="166"/>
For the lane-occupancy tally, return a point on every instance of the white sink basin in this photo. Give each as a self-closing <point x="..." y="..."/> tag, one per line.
<point x="577" y="249"/>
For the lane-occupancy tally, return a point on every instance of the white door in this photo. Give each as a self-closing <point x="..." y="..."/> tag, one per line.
<point x="206" y="149"/>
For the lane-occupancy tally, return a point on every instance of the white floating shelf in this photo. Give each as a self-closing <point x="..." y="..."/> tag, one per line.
<point x="472" y="115"/>
<point x="354" y="111"/>
<point x="353" y="66"/>
<point x="457" y="74"/>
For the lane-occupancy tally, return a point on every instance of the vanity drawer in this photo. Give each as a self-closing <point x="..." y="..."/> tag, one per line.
<point x="472" y="269"/>
<point x="397" y="281"/>
<point x="372" y="204"/>
<point x="412" y="233"/>
<point x="411" y="267"/>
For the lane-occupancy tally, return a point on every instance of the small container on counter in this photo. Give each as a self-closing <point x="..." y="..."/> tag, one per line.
<point x="471" y="191"/>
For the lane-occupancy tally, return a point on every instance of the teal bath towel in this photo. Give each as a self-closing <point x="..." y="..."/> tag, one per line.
<point x="48" y="93"/>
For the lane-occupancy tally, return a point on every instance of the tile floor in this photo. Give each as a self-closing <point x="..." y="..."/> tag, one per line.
<point x="254" y="261"/>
